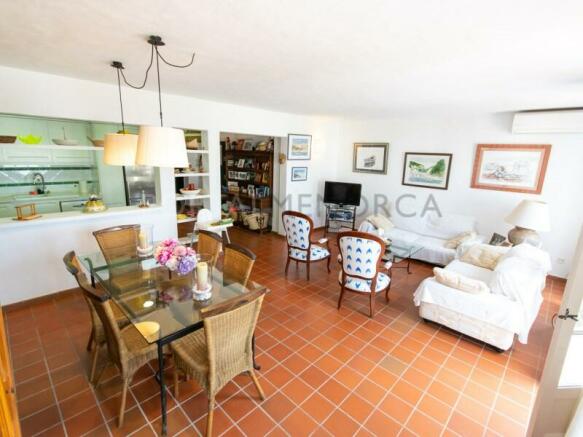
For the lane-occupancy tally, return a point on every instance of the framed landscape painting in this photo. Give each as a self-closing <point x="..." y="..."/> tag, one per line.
<point x="299" y="147"/>
<point x="519" y="168"/>
<point x="429" y="170"/>
<point x="299" y="174"/>
<point x="370" y="157"/>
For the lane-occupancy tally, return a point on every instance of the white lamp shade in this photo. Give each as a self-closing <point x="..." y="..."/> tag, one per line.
<point x="161" y="147"/>
<point x="120" y="149"/>
<point x="531" y="214"/>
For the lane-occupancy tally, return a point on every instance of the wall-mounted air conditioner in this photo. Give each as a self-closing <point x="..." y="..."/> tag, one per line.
<point x="559" y="121"/>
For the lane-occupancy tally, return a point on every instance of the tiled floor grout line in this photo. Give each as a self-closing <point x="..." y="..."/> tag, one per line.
<point x="52" y="386"/>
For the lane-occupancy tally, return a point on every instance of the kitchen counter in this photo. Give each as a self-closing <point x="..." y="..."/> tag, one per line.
<point x="34" y="198"/>
<point x="74" y="216"/>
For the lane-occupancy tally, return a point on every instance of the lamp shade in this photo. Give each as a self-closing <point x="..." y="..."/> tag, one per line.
<point x="120" y="149"/>
<point x="531" y="214"/>
<point x="161" y="147"/>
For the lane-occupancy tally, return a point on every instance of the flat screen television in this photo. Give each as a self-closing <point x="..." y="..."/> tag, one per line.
<point x="342" y="193"/>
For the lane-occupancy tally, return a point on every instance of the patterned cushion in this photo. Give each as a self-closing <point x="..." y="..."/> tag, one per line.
<point x="359" y="256"/>
<point x="363" y="285"/>
<point x="297" y="231"/>
<point x="317" y="253"/>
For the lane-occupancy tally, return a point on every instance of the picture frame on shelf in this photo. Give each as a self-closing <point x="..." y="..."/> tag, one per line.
<point x="232" y="174"/>
<point x="248" y="145"/>
<point x="241" y="163"/>
<point x="518" y="168"/>
<point x="299" y="147"/>
<point x="251" y="190"/>
<point x="370" y="158"/>
<point x="427" y="170"/>
<point x="299" y="174"/>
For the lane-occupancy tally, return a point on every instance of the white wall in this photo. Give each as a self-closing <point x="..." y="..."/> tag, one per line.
<point x="459" y="135"/>
<point x="30" y="263"/>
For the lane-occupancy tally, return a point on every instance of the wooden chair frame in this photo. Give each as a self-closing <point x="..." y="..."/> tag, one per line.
<point x="308" y="251"/>
<point x="373" y="292"/>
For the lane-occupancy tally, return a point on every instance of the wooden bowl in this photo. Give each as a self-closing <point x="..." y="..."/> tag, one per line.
<point x="7" y="139"/>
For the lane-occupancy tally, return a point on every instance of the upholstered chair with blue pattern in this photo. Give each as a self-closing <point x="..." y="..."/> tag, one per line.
<point x="360" y="257"/>
<point x="300" y="247"/>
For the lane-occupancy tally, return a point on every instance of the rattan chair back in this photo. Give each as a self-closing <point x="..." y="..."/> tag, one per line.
<point x="237" y="264"/>
<point x="229" y="330"/>
<point x="118" y="241"/>
<point x="209" y="243"/>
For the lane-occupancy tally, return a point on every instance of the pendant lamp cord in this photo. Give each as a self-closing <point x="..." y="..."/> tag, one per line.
<point x="123" y="125"/>
<point x="143" y="84"/>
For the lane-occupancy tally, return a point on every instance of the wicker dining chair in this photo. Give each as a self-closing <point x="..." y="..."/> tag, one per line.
<point x="360" y="255"/>
<point x="210" y="243"/>
<point x="97" y="336"/>
<point x="128" y="350"/>
<point x="238" y="262"/>
<point x="215" y="355"/>
<point x="118" y="241"/>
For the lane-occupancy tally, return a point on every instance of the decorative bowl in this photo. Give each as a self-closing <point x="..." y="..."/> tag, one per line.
<point x="30" y="139"/>
<point x="185" y="191"/>
<point x="65" y="142"/>
<point x="7" y="139"/>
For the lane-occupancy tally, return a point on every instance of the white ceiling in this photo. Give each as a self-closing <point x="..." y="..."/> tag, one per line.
<point x="352" y="57"/>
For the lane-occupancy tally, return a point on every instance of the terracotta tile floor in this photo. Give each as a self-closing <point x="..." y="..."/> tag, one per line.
<point x="325" y="372"/>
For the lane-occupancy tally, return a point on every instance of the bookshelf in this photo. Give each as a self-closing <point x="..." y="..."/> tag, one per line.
<point x="247" y="180"/>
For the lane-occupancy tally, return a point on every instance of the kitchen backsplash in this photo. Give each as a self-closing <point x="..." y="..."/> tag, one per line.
<point x="19" y="179"/>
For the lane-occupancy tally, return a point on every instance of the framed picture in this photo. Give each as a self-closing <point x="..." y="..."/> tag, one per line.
<point x="299" y="147"/>
<point x="519" y="168"/>
<point x="430" y="170"/>
<point x="248" y="145"/>
<point x="299" y="174"/>
<point x="251" y="190"/>
<point x="370" y="157"/>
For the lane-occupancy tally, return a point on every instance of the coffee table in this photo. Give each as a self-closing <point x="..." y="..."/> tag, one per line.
<point x="399" y="252"/>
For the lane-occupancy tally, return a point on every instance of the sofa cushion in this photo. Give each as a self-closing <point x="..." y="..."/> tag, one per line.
<point x="401" y="235"/>
<point x="434" y="251"/>
<point x="454" y="242"/>
<point x="471" y="271"/>
<point x="381" y="222"/>
<point x="482" y="255"/>
<point x="460" y="282"/>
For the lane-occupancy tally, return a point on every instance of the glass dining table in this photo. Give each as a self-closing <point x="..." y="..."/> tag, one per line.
<point x="148" y="292"/>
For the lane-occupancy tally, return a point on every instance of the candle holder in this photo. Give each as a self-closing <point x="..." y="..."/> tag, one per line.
<point x="146" y="241"/>
<point x="202" y="285"/>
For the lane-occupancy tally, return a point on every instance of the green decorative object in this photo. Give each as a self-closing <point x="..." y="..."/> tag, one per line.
<point x="30" y="139"/>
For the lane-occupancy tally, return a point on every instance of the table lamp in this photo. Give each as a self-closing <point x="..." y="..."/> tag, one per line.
<point x="528" y="217"/>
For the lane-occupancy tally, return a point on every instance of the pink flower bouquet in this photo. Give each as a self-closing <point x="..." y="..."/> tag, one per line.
<point x="175" y="257"/>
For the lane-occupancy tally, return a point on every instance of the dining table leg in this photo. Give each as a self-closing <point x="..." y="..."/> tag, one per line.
<point x="162" y="385"/>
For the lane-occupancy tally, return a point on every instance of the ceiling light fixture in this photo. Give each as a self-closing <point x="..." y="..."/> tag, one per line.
<point x="120" y="148"/>
<point x="159" y="146"/>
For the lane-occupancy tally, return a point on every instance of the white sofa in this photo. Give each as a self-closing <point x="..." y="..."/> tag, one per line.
<point x="429" y="231"/>
<point x="494" y="317"/>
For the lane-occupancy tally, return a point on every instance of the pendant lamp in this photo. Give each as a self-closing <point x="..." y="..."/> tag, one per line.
<point x="160" y="146"/>
<point x="120" y="148"/>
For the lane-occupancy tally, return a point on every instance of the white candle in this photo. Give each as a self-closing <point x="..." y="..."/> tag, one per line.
<point x="143" y="240"/>
<point x="202" y="275"/>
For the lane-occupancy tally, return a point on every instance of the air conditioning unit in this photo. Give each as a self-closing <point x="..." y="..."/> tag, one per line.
<point x="558" y="121"/>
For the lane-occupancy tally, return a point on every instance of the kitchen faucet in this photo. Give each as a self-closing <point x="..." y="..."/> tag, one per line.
<point x="37" y="179"/>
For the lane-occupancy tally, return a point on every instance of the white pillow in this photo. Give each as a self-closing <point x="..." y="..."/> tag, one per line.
<point x="448" y="225"/>
<point x="483" y="255"/>
<point x="464" y="237"/>
<point x="381" y="222"/>
<point x="460" y="282"/>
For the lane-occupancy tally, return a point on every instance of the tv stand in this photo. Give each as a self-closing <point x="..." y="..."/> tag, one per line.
<point x="344" y="216"/>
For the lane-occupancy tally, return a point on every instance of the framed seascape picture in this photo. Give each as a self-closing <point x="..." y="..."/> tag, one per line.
<point x="299" y="147"/>
<point x="429" y="170"/>
<point x="511" y="167"/>
<point x="370" y="157"/>
<point x="299" y="174"/>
